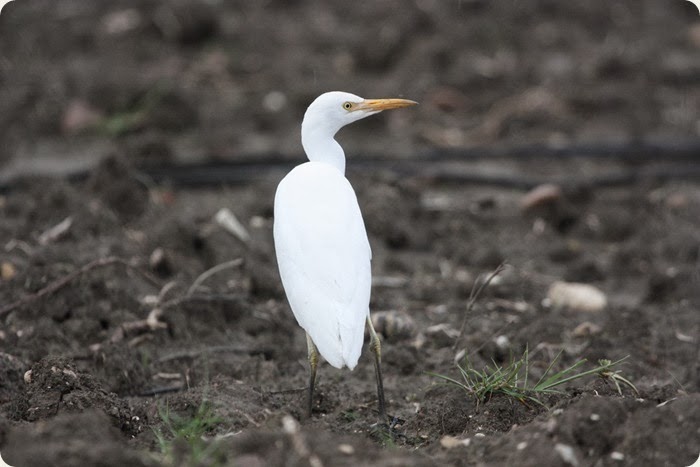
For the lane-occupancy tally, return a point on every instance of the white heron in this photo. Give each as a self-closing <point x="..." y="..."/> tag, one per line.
<point x="321" y="243"/>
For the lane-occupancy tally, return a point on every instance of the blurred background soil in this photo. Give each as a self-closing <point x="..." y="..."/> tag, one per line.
<point x="127" y="126"/>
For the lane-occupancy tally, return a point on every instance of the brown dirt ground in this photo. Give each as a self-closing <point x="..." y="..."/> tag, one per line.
<point x="108" y="91"/>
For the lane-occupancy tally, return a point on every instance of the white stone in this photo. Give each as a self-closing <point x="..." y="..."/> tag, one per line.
<point x="617" y="456"/>
<point x="567" y="454"/>
<point x="576" y="296"/>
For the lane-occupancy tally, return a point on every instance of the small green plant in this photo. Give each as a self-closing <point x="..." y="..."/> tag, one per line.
<point x="512" y="379"/>
<point x="349" y="416"/>
<point x="383" y="434"/>
<point x="614" y="376"/>
<point x="183" y="442"/>
<point x="133" y="117"/>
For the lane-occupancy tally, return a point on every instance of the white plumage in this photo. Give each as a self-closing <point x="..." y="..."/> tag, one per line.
<point x="320" y="239"/>
<point x="324" y="259"/>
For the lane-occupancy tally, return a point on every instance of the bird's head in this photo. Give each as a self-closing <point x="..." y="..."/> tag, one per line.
<point x="329" y="113"/>
<point x="333" y="110"/>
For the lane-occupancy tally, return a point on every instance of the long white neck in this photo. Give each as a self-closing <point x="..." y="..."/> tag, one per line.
<point x="319" y="144"/>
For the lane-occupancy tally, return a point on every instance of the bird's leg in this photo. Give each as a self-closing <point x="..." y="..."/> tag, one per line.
<point x="376" y="347"/>
<point x="313" y="363"/>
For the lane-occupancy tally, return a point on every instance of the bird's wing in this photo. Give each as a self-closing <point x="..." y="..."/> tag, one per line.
<point x="324" y="259"/>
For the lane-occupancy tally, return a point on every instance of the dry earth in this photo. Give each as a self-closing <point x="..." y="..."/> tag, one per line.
<point x="102" y="103"/>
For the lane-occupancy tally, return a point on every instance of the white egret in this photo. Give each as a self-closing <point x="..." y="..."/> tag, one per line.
<point x="321" y="243"/>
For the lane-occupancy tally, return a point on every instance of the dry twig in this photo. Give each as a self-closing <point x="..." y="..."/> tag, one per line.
<point x="214" y="349"/>
<point x="473" y="296"/>
<point x="210" y="272"/>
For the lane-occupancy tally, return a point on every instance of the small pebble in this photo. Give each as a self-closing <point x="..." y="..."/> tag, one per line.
<point x="121" y="22"/>
<point x="346" y="449"/>
<point x="450" y="442"/>
<point x="677" y="201"/>
<point x="503" y="342"/>
<point x="290" y="425"/>
<point x="567" y="454"/>
<point x="542" y="195"/>
<point x="274" y="101"/>
<point x="617" y="456"/>
<point x="159" y="263"/>
<point x="7" y="270"/>
<point x="576" y="297"/>
<point x="586" y="329"/>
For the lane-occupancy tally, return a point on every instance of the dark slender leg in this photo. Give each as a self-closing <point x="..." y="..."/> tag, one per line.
<point x="313" y="363"/>
<point x="376" y="347"/>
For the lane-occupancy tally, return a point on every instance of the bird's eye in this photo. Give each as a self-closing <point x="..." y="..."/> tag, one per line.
<point x="347" y="105"/>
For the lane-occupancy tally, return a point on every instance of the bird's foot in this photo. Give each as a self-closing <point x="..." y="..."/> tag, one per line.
<point x="386" y="430"/>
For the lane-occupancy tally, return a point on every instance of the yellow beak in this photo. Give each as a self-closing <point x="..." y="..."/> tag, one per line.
<point x="377" y="105"/>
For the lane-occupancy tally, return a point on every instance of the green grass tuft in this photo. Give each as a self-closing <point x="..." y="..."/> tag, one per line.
<point x="183" y="442"/>
<point x="513" y="379"/>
